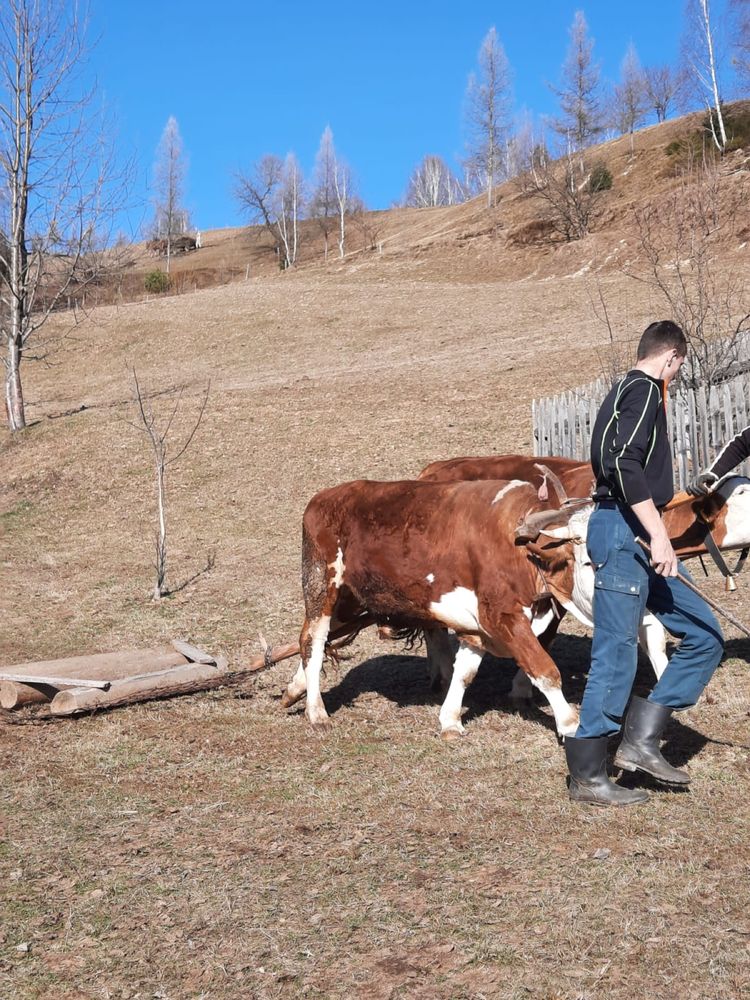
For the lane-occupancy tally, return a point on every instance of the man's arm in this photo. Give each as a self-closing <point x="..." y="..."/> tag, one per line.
<point x="663" y="555"/>
<point x="736" y="451"/>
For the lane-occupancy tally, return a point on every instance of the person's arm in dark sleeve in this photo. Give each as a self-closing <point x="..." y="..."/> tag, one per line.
<point x="736" y="451"/>
<point x="638" y="408"/>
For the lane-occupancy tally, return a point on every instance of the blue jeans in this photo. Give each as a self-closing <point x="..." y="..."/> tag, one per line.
<point x="625" y="585"/>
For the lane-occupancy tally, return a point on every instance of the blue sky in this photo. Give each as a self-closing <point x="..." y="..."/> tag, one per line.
<point x="245" y="78"/>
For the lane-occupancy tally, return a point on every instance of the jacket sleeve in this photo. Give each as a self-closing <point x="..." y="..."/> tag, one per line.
<point x="736" y="451"/>
<point x="638" y="409"/>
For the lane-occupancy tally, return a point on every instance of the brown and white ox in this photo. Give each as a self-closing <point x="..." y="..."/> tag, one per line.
<point x="432" y="556"/>
<point x="726" y="513"/>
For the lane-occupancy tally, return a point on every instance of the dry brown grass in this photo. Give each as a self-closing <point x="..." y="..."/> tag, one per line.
<point x="213" y="846"/>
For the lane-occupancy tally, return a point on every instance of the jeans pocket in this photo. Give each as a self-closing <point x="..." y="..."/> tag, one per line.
<point x="617" y="603"/>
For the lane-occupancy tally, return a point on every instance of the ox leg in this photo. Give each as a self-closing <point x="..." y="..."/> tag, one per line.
<point x="313" y="653"/>
<point x="465" y="669"/>
<point x="653" y="640"/>
<point x="515" y="635"/>
<point x="441" y="653"/>
<point x="521" y="689"/>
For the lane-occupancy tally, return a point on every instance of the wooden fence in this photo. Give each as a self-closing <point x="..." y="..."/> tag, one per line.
<point x="700" y="422"/>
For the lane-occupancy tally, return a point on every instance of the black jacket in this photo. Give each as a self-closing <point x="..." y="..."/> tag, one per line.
<point x="630" y="449"/>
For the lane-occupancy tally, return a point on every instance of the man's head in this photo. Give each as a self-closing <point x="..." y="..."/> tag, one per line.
<point x="662" y="349"/>
<point x="660" y="337"/>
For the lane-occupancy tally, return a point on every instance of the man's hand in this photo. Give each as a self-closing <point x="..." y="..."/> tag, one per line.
<point x="663" y="557"/>
<point x="702" y="485"/>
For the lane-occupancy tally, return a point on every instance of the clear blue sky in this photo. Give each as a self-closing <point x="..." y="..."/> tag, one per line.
<point x="248" y="78"/>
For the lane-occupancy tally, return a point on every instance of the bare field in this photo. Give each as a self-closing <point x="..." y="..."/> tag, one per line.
<point x="214" y="846"/>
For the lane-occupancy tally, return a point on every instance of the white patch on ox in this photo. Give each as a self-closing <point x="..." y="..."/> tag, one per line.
<point x="430" y="578"/>
<point x="338" y="566"/>
<point x="508" y="487"/>
<point x="736" y="492"/>
<point x="566" y="717"/>
<point x="539" y="623"/>
<point x="458" y="608"/>
<point x="465" y="667"/>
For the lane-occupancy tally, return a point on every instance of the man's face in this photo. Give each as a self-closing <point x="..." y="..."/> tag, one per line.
<point x="675" y="361"/>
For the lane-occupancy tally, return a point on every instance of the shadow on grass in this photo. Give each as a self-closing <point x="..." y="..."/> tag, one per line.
<point x="404" y="680"/>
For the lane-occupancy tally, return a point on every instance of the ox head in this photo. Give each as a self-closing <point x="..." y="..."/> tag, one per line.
<point x="727" y="510"/>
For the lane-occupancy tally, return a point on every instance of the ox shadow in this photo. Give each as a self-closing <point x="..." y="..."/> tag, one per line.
<point x="404" y="680"/>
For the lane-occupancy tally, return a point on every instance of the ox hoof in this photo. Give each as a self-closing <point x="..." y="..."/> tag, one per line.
<point x="320" y="722"/>
<point x="454" y="733"/>
<point x="287" y="700"/>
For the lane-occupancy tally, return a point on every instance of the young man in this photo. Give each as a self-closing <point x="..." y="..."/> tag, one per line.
<point x="730" y="455"/>
<point x="633" y="466"/>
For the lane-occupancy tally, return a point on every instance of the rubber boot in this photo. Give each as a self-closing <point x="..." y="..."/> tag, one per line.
<point x="639" y="750"/>
<point x="587" y="763"/>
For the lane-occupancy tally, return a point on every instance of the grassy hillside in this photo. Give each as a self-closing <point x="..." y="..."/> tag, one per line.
<point x="213" y="846"/>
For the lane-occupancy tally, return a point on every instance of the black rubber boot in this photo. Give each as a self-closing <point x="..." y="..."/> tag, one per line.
<point x="587" y="763"/>
<point x="639" y="750"/>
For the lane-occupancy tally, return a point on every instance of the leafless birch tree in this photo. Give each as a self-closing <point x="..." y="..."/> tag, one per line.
<point x="170" y="168"/>
<point x="58" y="174"/>
<point x="629" y="101"/>
<point x="488" y="114"/>
<point x="289" y="207"/>
<point x="158" y="435"/>
<point x="346" y="201"/>
<point x="323" y="201"/>
<point x="702" y="63"/>
<point x="580" y="122"/>
<point x="433" y="183"/>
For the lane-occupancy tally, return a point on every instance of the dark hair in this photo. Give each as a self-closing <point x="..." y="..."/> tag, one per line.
<point x="661" y="336"/>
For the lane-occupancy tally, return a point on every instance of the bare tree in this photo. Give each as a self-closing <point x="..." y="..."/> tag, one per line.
<point x="629" y="103"/>
<point x="741" y="35"/>
<point x="580" y="101"/>
<point x="488" y="109"/>
<point x="158" y="436"/>
<point x="272" y="196"/>
<point x="58" y="174"/>
<point x="433" y="183"/>
<point x="570" y="201"/>
<point x="323" y="202"/>
<point x="256" y="191"/>
<point x="680" y="237"/>
<point x="288" y="208"/>
<point x="702" y="63"/>
<point x="170" y="215"/>
<point x="346" y="200"/>
<point x="662" y="85"/>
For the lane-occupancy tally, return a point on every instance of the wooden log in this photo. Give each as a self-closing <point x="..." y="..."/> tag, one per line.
<point x="99" y="666"/>
<point x="185" y="679"/>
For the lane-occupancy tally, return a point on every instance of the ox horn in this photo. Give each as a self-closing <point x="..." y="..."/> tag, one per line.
<point x="533" y="524"/>
<point x="562" y="496"/>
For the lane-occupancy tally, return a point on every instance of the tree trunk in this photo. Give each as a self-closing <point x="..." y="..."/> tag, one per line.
<point x="14" y="404"/>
